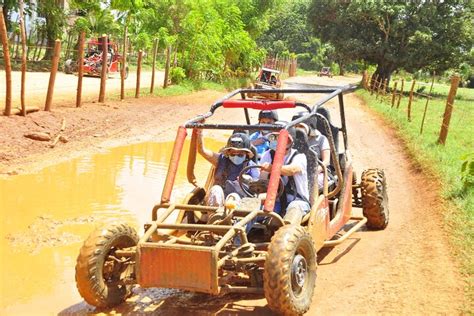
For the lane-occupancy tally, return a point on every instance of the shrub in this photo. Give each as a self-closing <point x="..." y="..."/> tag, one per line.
<point x="177" y="75"/>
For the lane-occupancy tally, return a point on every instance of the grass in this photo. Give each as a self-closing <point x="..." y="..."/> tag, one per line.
<point x="302" y="72"/>
<point x="444" y="162"/>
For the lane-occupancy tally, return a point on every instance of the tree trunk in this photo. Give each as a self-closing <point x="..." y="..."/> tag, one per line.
<point x="48" y="54"/>
<point x="23" y="58"/>
<point x="383" y="72"/>
<point x="8" y="68"/>
<point x="6" y="18"/>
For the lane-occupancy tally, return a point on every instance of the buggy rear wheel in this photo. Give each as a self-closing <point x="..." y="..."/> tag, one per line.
<point x="100" y="273"/>
<point x="290" y="271"/>
<point x="375" y="198"/>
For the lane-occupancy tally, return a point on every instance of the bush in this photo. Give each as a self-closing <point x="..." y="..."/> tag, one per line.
<point x="177" y="75"/>
<point x="467" y="171"/>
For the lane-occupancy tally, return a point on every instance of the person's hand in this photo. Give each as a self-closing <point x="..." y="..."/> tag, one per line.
<point x="258" y="141"/>
<point x="266" y="167"/>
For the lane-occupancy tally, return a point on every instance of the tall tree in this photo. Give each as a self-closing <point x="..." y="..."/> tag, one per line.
<point x="55" y="18"/>
<point x="393" y="35"/>
<point x="289" y="31"/>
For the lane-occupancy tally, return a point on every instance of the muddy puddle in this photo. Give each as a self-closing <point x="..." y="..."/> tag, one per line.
<point x="46" y="216"/>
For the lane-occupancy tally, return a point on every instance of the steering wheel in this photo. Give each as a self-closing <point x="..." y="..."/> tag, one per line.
<point x="254" y="187"/>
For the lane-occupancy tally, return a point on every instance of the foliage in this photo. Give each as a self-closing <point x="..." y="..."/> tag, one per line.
<point x="289" y="31"/>
<point x="411" y="35"/>
<point x="177" y="75"/>
<point x="467" y="171"/>
<point x="55" y="19"/>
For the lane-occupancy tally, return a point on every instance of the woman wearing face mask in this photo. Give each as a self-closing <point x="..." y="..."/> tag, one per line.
<point x="229" y="163"/>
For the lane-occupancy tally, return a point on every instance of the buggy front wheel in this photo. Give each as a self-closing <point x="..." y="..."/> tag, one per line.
<point x="289" y="276"/>
<point x="102" y="276"/>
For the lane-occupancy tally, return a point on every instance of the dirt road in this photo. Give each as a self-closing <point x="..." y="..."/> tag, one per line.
<point x="405" y="269"/>
<point x="65" y="87"/>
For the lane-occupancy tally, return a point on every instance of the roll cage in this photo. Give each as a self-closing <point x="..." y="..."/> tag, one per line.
<point x="245" y="104"/>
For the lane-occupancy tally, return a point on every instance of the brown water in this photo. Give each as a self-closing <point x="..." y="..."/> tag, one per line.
<point x="46" y="217"/>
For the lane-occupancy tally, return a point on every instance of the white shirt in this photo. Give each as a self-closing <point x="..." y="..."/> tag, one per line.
<point x="321" y="141"/>
<point x="301" y="178"/>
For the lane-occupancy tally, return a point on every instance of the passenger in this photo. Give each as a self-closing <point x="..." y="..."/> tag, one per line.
<point x="229" y="163"/>
<point x="273" y="80"/>
<point x="294" y="202"/>
<point x="317" y="142"/>
<point x="259" y="138"/>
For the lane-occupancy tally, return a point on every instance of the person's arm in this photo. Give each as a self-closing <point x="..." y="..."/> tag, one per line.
<point x="325" y="154"/>
<point x="290" y="170"/>
<point x="286" y="170"/>
<point x="208" y="154"/>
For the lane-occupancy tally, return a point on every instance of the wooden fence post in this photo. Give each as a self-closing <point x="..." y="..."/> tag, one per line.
<point x="364" y="79"/>
<point x="8" y="66"/>
<point x="23" y="58"/>
<point x="394" y="92"/>
<point x="373" y="84"/>
<point x="410" y="99"/>
<point x="52" y="76"/>
<point x="379" y="88"/>
<point x="385" y="83"/>
<point x="426" y="105"/>
<point x="103" y="73"/>
<point x="167" y="67"/>
<point x="448" y="110"/>
<point x="80" y="68"/>
<point x="139" y="71"/>
<point x="401" y="93"/>
<point x="155" y="47"/>
<point x="124" y="64"/>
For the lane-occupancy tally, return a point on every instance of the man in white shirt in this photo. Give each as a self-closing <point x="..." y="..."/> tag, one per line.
<point x="294" y="202"/>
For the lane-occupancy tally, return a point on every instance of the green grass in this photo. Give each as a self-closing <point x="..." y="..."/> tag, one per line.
<point x="302" y="72"/>
<point x="444" y="162"/>
<point x="440" y="90"/>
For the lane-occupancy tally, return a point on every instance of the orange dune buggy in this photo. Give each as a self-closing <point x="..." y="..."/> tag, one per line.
<point x="218" y="253"/>
<point x="267" y="79"/>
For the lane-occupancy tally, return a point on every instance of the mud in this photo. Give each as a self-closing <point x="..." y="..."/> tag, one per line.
<point x="406" y="269"/>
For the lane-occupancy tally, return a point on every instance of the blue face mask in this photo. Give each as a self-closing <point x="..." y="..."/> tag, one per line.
<point x="273" y="144"/>
<point x="237" y="160"/>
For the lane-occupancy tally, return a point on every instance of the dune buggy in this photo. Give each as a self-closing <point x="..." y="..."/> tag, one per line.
<point x="268" y="79"/>
<point x="245" y="248"/>
<point x="93" y="60"/>
<point x="325" y="71"/>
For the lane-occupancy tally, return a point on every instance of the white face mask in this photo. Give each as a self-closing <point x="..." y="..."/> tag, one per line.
<point x="237" y="160"/>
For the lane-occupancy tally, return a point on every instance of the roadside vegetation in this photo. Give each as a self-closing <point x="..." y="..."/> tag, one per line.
<point x="452" y="164"/>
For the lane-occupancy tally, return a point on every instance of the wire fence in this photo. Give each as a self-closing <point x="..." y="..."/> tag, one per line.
<point x="404" y="95"/>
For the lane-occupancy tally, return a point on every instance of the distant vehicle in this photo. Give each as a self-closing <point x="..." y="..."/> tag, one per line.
<point x="93" y="60"/>
<point x="325" y="71"/>
<point x="267" y="79"/>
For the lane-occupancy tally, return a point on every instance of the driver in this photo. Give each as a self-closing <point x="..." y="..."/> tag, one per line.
<point x="294" y="202"/>
<point x="235" y="156"/>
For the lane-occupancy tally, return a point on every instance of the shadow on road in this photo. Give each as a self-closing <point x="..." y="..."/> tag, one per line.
<point x="179" y="303"/>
